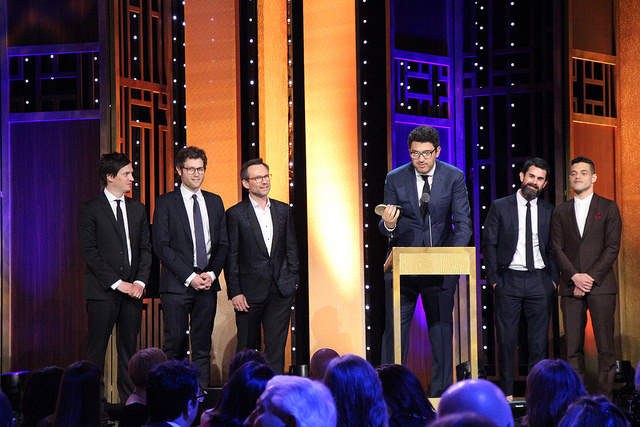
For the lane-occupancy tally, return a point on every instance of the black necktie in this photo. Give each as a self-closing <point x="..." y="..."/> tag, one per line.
<point x="120" y="221"/>
<point x="426" y="195"/>
<point x="201" y="247"/>
<point x="529" y="239"/>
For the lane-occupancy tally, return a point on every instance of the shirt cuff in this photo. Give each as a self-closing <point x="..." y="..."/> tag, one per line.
<point x="115" y="285"/>
<point x="141" y="283"/>
<point x="189" y="279"/>
<point x="212" y="274"/>
<point x="390" y="230"/>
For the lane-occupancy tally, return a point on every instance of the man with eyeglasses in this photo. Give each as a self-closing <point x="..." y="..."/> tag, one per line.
<point x="173" y="394"/>
<point x="190" y="238"/>
<point x="427" y="205"/>
<point x="262" y="266"/>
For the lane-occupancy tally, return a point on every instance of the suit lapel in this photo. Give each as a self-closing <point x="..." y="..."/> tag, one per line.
<point x="593" y="210"/>
<point x="513" y="217"/>
<point x="274" y="226"/>
<point x="112" y="219"/>
<point x="412" y="190"/>
<point x="182" y="214"/>
<point x="574" y="221"/>
<point x="255" y="226"/>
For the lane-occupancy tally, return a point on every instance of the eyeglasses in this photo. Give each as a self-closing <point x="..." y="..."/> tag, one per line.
<point x="192" y="171"/>
<point x="200" y="396"/>
<point x="426" y="154"/>
<point x="261" y="179"/>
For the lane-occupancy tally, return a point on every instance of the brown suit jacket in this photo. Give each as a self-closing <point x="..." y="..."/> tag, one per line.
<point x="595" y="252"/>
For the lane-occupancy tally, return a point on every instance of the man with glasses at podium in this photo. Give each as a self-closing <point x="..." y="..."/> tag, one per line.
<point x="426" y="205"/>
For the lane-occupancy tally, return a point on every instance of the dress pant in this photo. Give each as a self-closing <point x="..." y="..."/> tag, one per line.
<point x="272" y="316"/>
<point x="126" y="314"/>
<point x="602" y="309"/>
<point x="517" y="292"/>
<point x="190" y="315"/>
<point x="438" y="307"/>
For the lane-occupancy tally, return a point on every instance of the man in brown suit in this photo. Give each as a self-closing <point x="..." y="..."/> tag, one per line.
<point x="586" y="241"/>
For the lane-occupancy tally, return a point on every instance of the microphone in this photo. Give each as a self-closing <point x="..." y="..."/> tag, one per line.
<point x="425" y="199"/>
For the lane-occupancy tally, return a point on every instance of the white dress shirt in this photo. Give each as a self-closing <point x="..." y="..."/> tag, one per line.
<point x="265" y="221"/>
<point x="519" y="261"/>
<point x="420" y="181"/>
<point x="187" y="198"/>
<point x="581" y="206"/>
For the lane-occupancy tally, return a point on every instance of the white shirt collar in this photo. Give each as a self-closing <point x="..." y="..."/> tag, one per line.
<point x="256" y="205"/>
<point x="430" y="173"/>
<point x="188" y="194"/>
<point x="111" y="197"/>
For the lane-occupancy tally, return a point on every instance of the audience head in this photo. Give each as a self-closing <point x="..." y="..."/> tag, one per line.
<point x="589" y="411"/>
<point x="479" y="396"/>
<point x="79" y="396"/>
<point x="356" y="391"/>
<point x="172" y="392"/>
<point x="40" y="395"/>
<point x="142" y="363"/>
<point x="294" y="401"/>
<point x="463" y="419"/>
<point x="403" y="393"/>
<point x="319" y="362"/>
<point x="241" y="392"/>
<point x="551" y="386"/>
<point x="245" y="356"/>
<point x="6" y="411"/>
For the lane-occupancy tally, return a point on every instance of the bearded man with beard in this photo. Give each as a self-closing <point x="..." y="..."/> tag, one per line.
<point x="516" y="245"/>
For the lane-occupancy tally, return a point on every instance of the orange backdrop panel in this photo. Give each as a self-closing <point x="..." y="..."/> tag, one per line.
<point x="336" y="296"/>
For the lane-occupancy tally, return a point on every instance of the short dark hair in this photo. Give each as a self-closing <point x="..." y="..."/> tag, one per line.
<point x="244" y="169"/>
<point x="110" y="164"/>
<point x="245" y="356"/>
<point x="582" y="159"/>
<point x="403" y="393"/>
<point x="424" y="134"/>
<point x="143" y="362"/>
<point x="593" y="411"/>
<point x="170" y="387"/>
<point x="539" y="163"/>
<point x="191" y="152"/>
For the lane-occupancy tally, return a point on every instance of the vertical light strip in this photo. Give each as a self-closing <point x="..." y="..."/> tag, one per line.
<point x="336" y="282"/>
<point x="213" y="125"/>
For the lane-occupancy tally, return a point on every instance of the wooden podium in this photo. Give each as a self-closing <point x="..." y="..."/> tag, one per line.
<point x="445" y="261"/>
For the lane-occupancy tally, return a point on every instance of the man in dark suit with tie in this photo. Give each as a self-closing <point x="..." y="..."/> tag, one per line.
<point x="190" y="238"/>
<point x="114" y="238"/>
<point x="262" y="266"/>
<point x="586" y="241"/>
<point x="516" y="245"/>
<point x="433" y="211"/>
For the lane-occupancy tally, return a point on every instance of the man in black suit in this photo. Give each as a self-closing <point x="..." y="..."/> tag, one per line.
<point x="434" y="211"/>
<point x="262" y="267"/>
<point x="114" y="238"/>
<point x="173" y="394"/>
<point x="516" y="246"/>
<point x="190" y="238"/>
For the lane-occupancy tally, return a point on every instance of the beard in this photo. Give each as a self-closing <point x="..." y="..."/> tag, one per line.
<point x="529" y="192"/>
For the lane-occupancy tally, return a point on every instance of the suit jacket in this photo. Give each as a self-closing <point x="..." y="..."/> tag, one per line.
<point x="173" y="244"/>
<point x="104" y="250"/>
<point x="250" y="270"/>
<point x="449" y="205"/>
<point x="500" y="237"/>
<point x="595" y="252"/>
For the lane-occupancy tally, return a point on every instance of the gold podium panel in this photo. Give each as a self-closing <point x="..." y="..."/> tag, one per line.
<point x="441" y="261"/>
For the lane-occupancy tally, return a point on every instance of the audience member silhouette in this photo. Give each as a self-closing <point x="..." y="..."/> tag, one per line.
<point x="294" y="401"/>
<point x="463" y="419"/>
<point x="319" y="362"/>
<point x="357" y="392"/>
<point x="479" y="396"/>
<point x="245" y="356"/>
<point x="6" y="411"/>
<point x="135" y="412"/>
<point x="40" y="395"/>
<point x="551" y="386"/>
<point x="239" y="396"/>
<point x="589" y="411"/>
<point x="79" y="397"/>
<point x="407" y="403"/>
<point x="173" y="394"/>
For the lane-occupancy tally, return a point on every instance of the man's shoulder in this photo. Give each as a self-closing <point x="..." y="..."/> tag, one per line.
<point x="546" y="205"/>
<point x="447" y="168"/>
<point x="278" y="204"/>
<point x="169" y="195"/>
<point x="505" y="201"/>
<point x="237" y="207"/>
<point x="404" y="169"/>
<point x="604" y="201"/>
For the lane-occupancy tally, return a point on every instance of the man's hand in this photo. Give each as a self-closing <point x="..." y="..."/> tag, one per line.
<point x="208" y="280"/>
<point x="583" y="281"/>
<point x="239" y="303"/>
<point x="134" y="290"/>
<point x="390" y="216"/>
<point x="198" y="283"/>
<point x="577" y="292"/>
